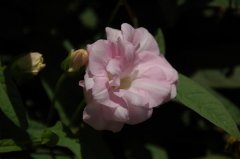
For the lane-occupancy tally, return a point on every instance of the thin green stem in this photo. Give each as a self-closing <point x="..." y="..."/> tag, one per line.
<point x="115" y="10"/>
<point x="131" y="13"/>
<point x="53" y="100"/>
<point x="77" y="112"/>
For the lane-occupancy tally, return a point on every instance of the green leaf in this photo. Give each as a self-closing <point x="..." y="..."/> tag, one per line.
<point x="157" y="152"/>
<point x="197" y="98"/>
<point x="160" y="40"/>
<point x="11" y="104"/>
<point x="8" y="145"/>
<point x="233" y="109"/>
<point x="6" y="106"/>
<point x="65" y="141"/>
<point x="53" y="136"/>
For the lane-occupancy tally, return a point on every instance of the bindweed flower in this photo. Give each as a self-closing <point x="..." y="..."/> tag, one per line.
<point x="31" y="63"/>
<point x="125" y="79"/>
<point x="78" y="58"/>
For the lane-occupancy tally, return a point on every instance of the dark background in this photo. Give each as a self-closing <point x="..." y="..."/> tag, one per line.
<point x="198" y="35"/>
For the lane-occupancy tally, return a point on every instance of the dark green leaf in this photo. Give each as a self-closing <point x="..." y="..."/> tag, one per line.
<point x="157" y="152"/>
<point x="197" y="98"/>
<point x="7" y="107"/>
<point x="8" y="145"/>
<point x="160" y="40"/>
<point x="11" y="103"/>
<point x="65" y="141"/>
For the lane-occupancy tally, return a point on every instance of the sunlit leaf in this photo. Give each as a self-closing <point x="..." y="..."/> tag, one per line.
<point x="197" y="98"/>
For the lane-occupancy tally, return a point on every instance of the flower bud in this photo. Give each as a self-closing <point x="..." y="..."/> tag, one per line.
<point x="78" y="58"/>
<point x="31" y="63"/>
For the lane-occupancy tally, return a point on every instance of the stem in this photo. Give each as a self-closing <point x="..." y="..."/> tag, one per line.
<point x="115" y="10"/>
<point x="77" y="112"/>
<point x="56" y="89"/>
<point x="131" y="13"/>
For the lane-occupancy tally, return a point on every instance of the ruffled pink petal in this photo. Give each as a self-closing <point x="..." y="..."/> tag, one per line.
<point x="146" y="41"/>
<point x="131" y="98"/>
<point x="173" y="91"/>
<point x="114" y="67"/>
<point x="88" y="82"/>
<point x="137" y="105"/>
<point x="119" y="113"/>
<point x="100" y="53"/>
<point x="138" y="114"/>
<point x="156" y="68"/>
<point x="92" y="116"/>
<point x="157" y="92"/>
<point x="100" y="89"/>
<point x="113" y="34"/>
<point x="127" y="52"/>
<point x="127" y="32"/>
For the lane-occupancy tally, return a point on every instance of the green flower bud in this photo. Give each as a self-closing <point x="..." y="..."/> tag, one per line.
<point x="77" y="59"/>
<point x="31" y="63"/>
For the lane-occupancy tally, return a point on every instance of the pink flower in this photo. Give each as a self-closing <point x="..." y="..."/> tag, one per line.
<point x="126" y="78"/>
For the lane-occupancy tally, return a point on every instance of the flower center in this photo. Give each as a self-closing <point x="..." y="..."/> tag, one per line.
<point x="125" y="83"/>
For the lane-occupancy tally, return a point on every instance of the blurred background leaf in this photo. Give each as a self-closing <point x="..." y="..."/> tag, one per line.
<point x="228" y="78"/>
<point x="89" y="18"/>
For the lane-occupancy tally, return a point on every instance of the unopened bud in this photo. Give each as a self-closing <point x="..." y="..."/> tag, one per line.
<point x="31" y="63"/>
<point x="78" y="58"/>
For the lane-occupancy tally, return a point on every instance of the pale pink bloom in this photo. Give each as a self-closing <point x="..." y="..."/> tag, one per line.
<point x="126" y="78"/>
